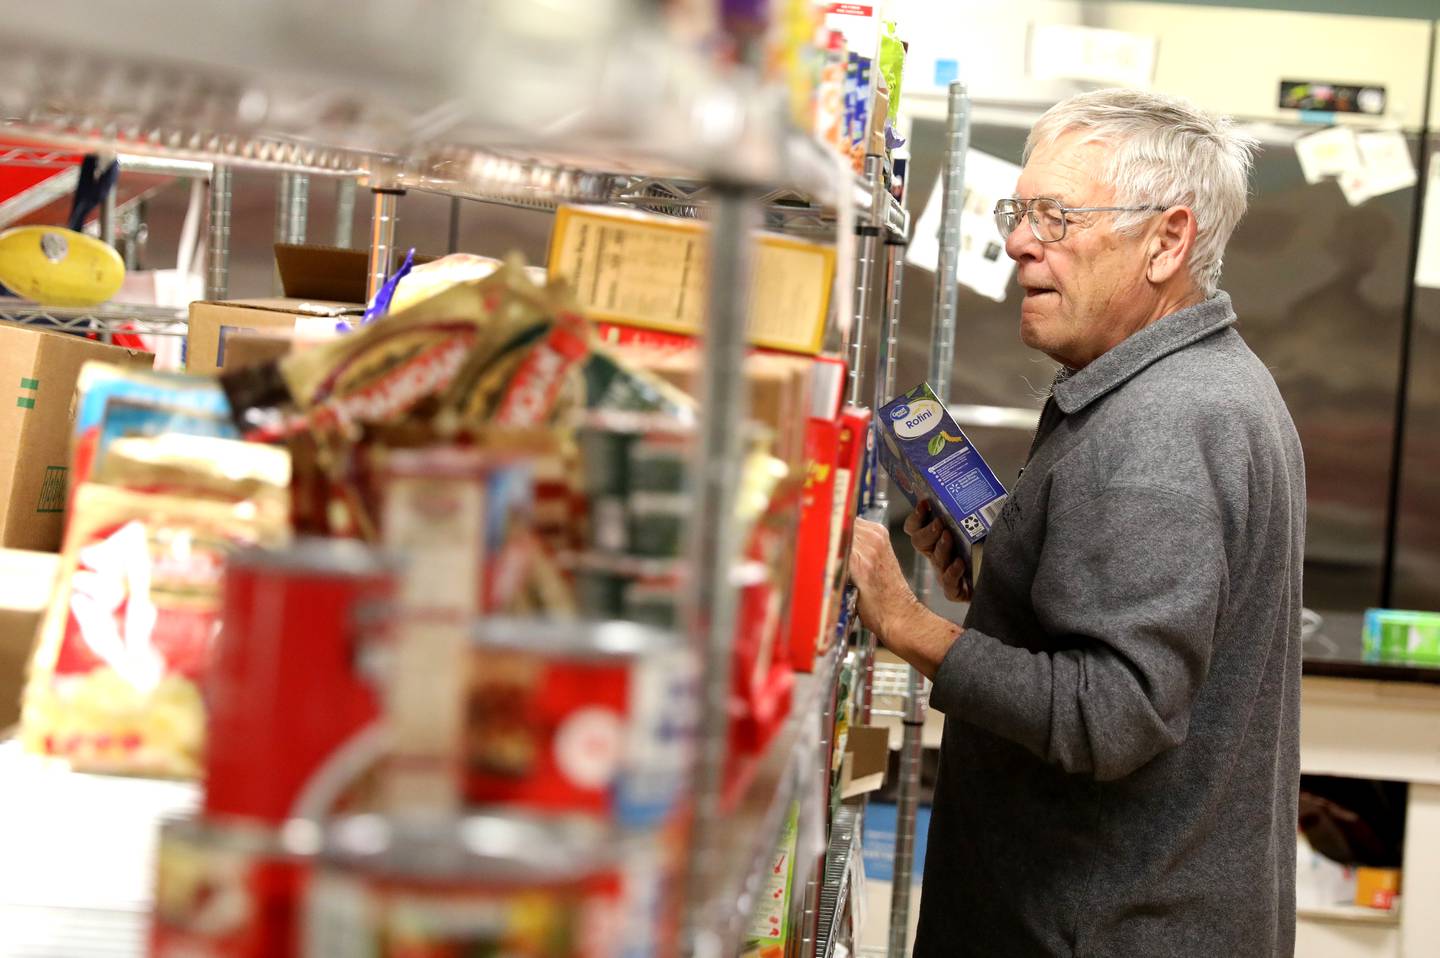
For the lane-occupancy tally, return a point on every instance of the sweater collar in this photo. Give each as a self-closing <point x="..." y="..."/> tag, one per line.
<point x="1156" y="341"/>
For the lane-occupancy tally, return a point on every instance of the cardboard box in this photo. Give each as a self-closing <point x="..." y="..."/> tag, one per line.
<point x="245" y="348"/>
<point x="1376" y="887"/>
<point x="779" y="386"/>
<point x="318" y="281"/>
<point x="867" y="757"/>
<point x="649" y="271"/>
<point x="38" y="371"/>
<point x="29" y="579"/>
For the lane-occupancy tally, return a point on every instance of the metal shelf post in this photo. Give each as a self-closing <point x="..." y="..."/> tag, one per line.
<point x="885" y="363"/>
<point x="292" y="207"/>
<point x="868" y="233"/>
<point x="713" y="542"/>
<point x="345" y="212"/>
<point x="942" y="357"/>
<point x="217" y="248"/>
<point x="383" y="218"/>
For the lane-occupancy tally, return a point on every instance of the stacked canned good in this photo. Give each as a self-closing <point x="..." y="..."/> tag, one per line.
<point x="633" y="476"/>
<point x="394" y="771"/>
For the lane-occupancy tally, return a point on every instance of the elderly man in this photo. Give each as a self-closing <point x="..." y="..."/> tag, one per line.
<point x="1120" y="764"/>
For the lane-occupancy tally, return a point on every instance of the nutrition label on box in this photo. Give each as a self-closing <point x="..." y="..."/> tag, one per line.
<point x="966" y="483"/>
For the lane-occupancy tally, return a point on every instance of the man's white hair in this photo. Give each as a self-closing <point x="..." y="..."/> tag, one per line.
<point x="1163" y="151"/>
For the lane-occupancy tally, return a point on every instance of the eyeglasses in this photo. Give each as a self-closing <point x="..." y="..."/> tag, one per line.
<point x="1048" y="218"/>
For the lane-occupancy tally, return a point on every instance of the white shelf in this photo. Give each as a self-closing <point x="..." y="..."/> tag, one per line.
<point x="1349" y="913"/>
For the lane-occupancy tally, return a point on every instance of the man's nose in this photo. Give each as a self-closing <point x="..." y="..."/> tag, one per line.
<point x="1021" y="244"/>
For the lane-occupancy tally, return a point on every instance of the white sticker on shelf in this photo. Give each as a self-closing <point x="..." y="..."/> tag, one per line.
<point x="1331" y="152"/>
<point x="1059" y="51"/>
<point x="983" y="265"/>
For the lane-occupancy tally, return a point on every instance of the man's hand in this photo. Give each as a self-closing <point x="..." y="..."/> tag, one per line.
<point x="885" y="596"/>
<point x="888" y="607"/>
<point x="932" y="540"/>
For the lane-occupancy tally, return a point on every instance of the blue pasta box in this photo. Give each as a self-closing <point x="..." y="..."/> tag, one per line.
<point x="931" y="459"/>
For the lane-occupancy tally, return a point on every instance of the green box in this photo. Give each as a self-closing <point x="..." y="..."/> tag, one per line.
<point x="1402" y="637"/>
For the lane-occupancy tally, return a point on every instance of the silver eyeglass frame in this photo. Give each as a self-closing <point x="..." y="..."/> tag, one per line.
<point x="1015" y="208"/>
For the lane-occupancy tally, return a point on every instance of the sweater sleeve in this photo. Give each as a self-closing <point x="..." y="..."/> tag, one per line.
<point x="1131" y="584"/>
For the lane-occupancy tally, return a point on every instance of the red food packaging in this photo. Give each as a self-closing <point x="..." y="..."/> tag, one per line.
<point x="813" y="541"/>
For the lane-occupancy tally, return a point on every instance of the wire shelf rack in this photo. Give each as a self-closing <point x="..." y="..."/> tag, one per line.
<point x="105" y="318"/>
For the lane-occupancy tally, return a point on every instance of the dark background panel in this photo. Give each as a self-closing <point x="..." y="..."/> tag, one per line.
<point x="1319" y="287"/>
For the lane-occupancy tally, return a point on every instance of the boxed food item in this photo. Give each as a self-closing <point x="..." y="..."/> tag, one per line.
<point x="649" y="271"/>
<point x="931" y="459"/>
<point x="770" y="927"/>
<point x="40" y="369"/>
<point x="1376" y="887"/>
<point x="1401" y="637"/>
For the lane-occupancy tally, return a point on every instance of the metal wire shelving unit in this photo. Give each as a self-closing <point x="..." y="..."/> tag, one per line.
<point x="656" y="130"/>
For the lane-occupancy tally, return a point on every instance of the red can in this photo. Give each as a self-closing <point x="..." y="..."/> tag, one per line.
<point x="588" y="718"/>
<point x="286" y="690"/>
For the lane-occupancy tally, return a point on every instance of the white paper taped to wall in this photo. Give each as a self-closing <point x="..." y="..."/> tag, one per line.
<point x="1427" y="260"/>
<point x="983" y="265"/>
<point x="1385" y="166"/>
<point x="1331" y="152"/>
<point x="1060" y="51"/>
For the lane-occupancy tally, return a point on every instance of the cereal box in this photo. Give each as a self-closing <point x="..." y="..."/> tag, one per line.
<point x="930" y="458"/>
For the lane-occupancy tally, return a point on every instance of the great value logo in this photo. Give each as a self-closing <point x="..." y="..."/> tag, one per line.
<point x="918" y="418"/>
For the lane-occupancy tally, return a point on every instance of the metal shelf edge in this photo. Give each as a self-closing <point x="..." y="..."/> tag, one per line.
<point x="766" y="807"/>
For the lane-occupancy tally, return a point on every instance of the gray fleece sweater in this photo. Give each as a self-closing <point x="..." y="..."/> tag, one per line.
<point x="1120" y="763"/>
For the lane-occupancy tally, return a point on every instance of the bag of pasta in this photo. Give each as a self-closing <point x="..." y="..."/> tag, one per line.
<point x="115" y="679"/>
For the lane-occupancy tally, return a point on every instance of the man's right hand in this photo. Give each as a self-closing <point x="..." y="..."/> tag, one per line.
<point x="932" y="540"/>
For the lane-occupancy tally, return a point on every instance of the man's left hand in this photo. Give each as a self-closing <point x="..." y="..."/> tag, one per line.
<point x="888" y="607"/>
<point x="883" y="592"/>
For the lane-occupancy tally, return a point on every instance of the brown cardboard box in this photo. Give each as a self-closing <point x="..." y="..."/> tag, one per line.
<point x="649" y="271"/>
<point x="29" y="578"/>
<point x="779" y="392"/>
<point x="37" y="389"/>
<point x="245" y="348"/>
<point x="867" y="756"/>
<point x="317" y="281"/>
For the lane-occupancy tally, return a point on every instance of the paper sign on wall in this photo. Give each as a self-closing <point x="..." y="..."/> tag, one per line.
<point x="983" y="265"/>
<point x="1062" y="52"/>
<point x="1385" y="166"/>
<point x="1331" y="152"/>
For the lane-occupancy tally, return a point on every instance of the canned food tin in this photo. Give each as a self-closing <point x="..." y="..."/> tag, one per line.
<point x="660" y="462"/>
<point x="286" y="691"/>
<point x="657" y="523"/>
<point x="475" y="885"/>
<point x="225" y="891"/>
<point x="590" y="717"/>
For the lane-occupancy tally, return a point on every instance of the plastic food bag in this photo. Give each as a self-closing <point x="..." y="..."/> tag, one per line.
<point x="114" y="681"/>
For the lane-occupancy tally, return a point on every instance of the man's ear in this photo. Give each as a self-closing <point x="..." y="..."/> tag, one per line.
<point x="1171" y="244"/>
